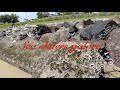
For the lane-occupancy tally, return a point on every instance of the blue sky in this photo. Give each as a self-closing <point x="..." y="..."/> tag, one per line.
<point x="24" y="15"/>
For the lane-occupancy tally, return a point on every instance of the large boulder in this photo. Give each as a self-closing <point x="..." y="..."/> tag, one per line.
<point x="61" y="35"/>
<point x="41" y="29"/>
<point x="54" y="28"/>
<point x="74" y="23"/>
<point x="99" y="31"/>
<point x="81" y="24"/>
<point x="113" y="45"/>
<point x="116" y="19"/>
<point x="64" y="34"/>
<point x="66" y="24"/>
<point x="73" y="29"/>
<point x="89" y="22"/>
<point x="71" y="26"/>
<point x="46" y="38"/>
<point x="59" y="25"/>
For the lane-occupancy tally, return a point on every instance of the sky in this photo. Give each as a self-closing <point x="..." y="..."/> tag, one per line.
<point x="24" y="15"/>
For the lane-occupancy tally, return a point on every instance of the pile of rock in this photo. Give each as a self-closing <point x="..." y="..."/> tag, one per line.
<point x="99" y="31"/>
<point x="80" y="63"/>
<point x="60" y="64"/>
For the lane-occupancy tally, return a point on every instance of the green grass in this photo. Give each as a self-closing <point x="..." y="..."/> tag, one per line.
<point x="59" y="19"/>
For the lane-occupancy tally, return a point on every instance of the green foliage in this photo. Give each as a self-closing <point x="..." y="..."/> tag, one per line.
<point x="76" y="16"/>
<point x="42" y="20"/>
<point x="67" y="13"/>
<point x="42" y="14"/>
<point x="8" y="18"/>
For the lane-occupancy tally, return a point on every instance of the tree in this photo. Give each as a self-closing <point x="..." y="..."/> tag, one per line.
<point x="67" y="13"/>
<point x="42" y="14"/>
<point x="8" y="18"/>
<point x="15" y="17"/>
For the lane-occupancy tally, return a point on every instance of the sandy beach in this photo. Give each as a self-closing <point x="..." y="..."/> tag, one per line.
<point x="9" y="71"/>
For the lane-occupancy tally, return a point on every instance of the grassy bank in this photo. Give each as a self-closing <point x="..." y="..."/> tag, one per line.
<point x="55" y="19"/>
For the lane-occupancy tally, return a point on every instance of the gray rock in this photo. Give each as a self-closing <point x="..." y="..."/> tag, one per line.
<point x="66" y="24"/>
<point x="53" y="28"/>
<point x="80" y="25"/>
<point x="116" y="19"/>
<point x="61" y="35"/>
<point x="99" y="31"/>
<point x="41" y="29"/>
<point x="89" y="22"/>
<point x="113" y="45"/>
<point x="73" y="29"/>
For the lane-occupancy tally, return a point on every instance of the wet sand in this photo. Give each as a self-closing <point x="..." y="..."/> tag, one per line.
<point x="9" y="71"/>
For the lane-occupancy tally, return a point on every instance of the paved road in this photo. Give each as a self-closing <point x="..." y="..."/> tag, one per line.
<point x="9" y="71"/>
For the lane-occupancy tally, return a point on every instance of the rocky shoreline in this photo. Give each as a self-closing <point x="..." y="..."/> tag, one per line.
<point x="57" y="63"/>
